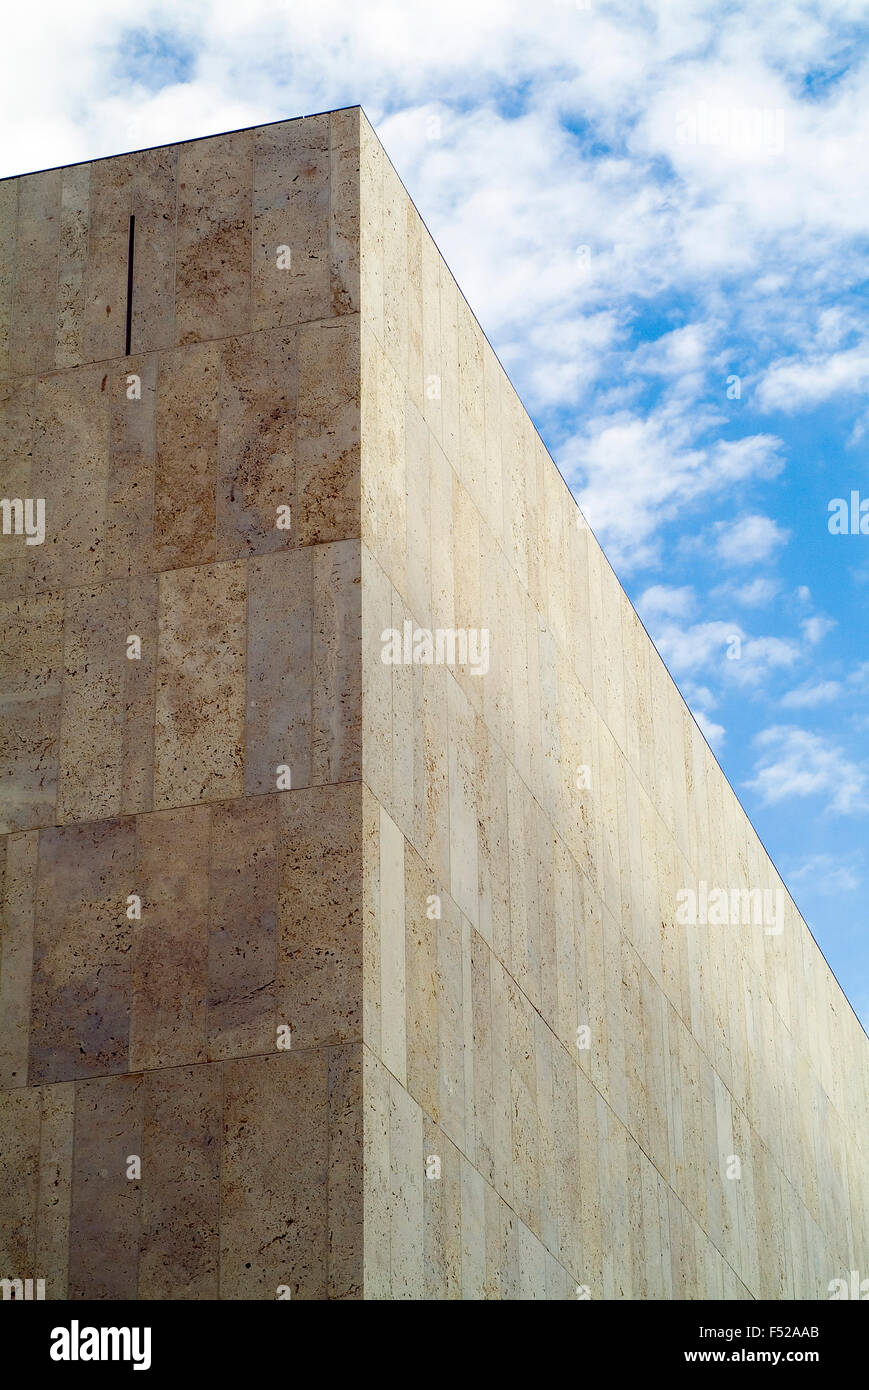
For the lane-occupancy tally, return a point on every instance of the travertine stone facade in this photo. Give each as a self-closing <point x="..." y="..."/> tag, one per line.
<point x="472" y="871"/>
<point x="158" y="776"/>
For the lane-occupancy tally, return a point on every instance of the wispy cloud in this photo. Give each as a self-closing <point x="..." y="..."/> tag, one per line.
<point x="794" y="762"/>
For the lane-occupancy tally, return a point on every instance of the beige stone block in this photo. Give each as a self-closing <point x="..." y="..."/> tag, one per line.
<point x="393" y="968"/>
<point x="256" y="444"/>
<point x="199" y="737"/>
<point x="90" y="775"/>
<point x="318" y="980"/>
<point x="567" y="1165"/>
<point x="502" y="1090"/>
<point x="31" y="673"/>
<point x="170" y="941"/>
<point x="72" y="266"/>
<point x="242" y="903"/>
<point x="472" y="456"/>
<point x="616" y="1023"/>
<point x="336" y="664"/>
<point x="509" y="1253"/>
<point x="8" y="261"/>
<point x="291" y="209"/>
<point x="344" y="220"/>
<point x="180" y="1209"/>
<point x="371" y="160"/>
<point x="280" y="646"/>
<point x="186" y="459"/>
<point x="395" y="270"/>
<point x="546" y="948"/>
<point x="370" y="843"/>
<point x="435" y="779"/>
<point x="469" y="618"/>
<point x="137" y="762"/>
<point x="453" y="1104"/>
<point x="422" y="901"/>
<point x="406" y="1203"/>
<point x="154" y="197"/>
<point x="377" y="1177"/>
<point x="449" y="366"/>
<point x="406" y="749"/>
<point x="532" y="1266"/>
<point x="80" y="1000"/>
<point x="481" y="1102"/>
<point x="34" y="297"/>
<point x="633" y="1041"/>
<point x="546" y="1131"/>
<point x="130" y="495"/>
<point x="16" y="956"/>
<point x="418" y="518"/>
<point x="70" y="471"/>
<point x="328" y="448"/>
<point x="56" y="1135"/>
<point x="416" y="235"/>
<point x="376" y="679"/>
<point x="274" y="1175"/>
<point x="383" y="485"/>
<point x="462" y="796"/>
<point x="20" y="1115"/>
<point x="304" y="698"/>
<point x="110" y="206"/>
<point x="432" y="384"/>
<point x="442" y="1217"/>
<point x="473" y="1233"/>
<point x="214" y="237"/>
<point x="345" y="1175"/>
<point x="525" y="1135"/>
<point x="493" y="891"/>
<point x="523" y="963"/>
<point x="106" y="1206"/>
<point x="567" y="949"/>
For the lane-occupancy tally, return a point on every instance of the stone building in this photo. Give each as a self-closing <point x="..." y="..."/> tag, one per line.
<point x="333" y="968"/>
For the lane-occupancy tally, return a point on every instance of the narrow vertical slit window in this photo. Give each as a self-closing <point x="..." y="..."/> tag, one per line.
<point x="130" y="251"/>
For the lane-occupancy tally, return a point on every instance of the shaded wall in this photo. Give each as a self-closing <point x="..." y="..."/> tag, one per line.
<point x="157" y="1036"/>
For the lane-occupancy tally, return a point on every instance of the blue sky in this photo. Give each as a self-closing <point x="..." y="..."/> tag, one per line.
<point x="642" y="202"/>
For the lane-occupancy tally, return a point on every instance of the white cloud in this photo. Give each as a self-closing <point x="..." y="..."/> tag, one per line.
<point x="665" y="601"/>
<point x="811" y="695"/>
<point x="816" y="628"/>
<point x="634" y="474"/>
<point x="722" y="649"/>
<point x="761" y="658"/>
<point x="800" y="385"/>
<point x="749" y="540"/>
<point x="795" y="762"/>
<point x="755" y="594"/>
<point x="827" y="875"/>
